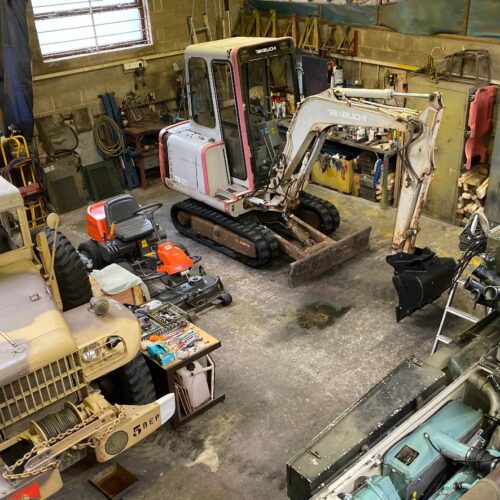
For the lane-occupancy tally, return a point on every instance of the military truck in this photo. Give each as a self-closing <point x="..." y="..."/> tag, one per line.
<point x="72" y="379"/>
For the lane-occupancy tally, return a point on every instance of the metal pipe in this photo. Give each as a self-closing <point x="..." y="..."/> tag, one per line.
<point x="485" y="275"/>
<point x="476" y="288"/>
<point x="376" y="93"/>
<point x="491" y="292"/>
<point x="481" y="383"/>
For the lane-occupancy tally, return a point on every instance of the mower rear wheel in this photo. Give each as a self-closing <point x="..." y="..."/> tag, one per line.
<point x="226" y="299"/>
<point x="91" y="251"/>
<point x="130" y="384"/>
<point x="71" y="275"/>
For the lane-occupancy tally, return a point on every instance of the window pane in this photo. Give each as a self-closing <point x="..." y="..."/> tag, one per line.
<point x="58" y="6"/>
<point x="227" y="115"/>
<point x="113" y="23"/>
<point x="61" y="6"/>
<point x="202" y="108"/>
<point x="112" y="3"/>
<point x="67" y="34"/>
<point x="10" y="231"/>
<point x="71" y="26"/>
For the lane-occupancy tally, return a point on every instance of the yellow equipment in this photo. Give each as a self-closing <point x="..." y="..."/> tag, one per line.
<point x="19" y="170"/>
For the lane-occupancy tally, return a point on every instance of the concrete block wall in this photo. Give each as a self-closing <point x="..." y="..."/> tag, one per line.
<point x="169" y="31"/>
<point x="390" y="47"/>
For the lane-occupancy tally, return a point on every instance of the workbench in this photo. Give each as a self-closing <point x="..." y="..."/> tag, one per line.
<point x="386" y="153"/>
<point x="164" y="377"/>
<point x="146" y="158"/>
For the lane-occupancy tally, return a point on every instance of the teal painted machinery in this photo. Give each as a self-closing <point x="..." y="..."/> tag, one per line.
<point x="411" y="467"/>
<point x="416" y="460"/>
<point x="377" y="488"/>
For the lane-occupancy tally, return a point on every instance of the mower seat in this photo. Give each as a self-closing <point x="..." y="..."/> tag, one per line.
<point x="128" y="227"/>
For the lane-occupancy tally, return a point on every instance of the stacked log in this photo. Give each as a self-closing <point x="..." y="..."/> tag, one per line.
<point x="390" y="187"/>
<point x="472" y="188"/>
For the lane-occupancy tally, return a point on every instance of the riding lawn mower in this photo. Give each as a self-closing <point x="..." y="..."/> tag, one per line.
<point x="127" y="234"/>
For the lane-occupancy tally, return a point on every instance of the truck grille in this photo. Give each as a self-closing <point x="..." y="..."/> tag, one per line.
<point x="40" y="388"/>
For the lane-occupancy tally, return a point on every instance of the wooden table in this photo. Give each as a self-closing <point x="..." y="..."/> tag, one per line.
<point x="163" y="377"/>
<point x="136" y="136"/>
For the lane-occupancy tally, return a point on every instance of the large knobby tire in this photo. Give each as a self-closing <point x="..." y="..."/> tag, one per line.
<point x="131" y="384"/>
<point x="71" y="275"/>
<point x="90" y="249"/>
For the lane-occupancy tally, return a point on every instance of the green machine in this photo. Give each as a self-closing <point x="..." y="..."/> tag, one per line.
<point x="64" y="185"/>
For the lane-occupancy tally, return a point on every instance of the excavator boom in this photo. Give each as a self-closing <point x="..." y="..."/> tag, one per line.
<point x="348" y="107"/>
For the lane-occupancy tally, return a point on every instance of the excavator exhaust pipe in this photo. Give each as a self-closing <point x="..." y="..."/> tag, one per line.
<point x="419" y="279"/>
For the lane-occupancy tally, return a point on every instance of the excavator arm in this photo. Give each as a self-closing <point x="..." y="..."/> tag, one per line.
<point x="420" y="276"/>
<point x="340" y="106"/>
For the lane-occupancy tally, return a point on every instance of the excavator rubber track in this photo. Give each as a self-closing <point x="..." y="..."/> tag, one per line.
<point x="259" y="236"/>
<point x="326" y="217"/>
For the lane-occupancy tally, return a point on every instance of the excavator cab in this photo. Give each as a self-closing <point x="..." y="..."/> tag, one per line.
<point x="238" y="91"/>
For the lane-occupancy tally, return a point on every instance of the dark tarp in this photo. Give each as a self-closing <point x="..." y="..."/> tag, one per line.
<point x="287" y="8"/>
<point x="16" y="92"/>
<point x="425" y="17"/>
<point x="413" y="17"/>
<point x="484" y="18"/>
<point x="351" y="14"/>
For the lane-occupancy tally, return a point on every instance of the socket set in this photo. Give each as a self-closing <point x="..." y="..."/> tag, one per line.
<point x="169" y="317"/>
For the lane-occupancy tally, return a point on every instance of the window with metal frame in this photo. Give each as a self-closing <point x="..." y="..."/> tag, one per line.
<point x="79" y="27"/>
<point x="202" y="108"/>
<point x="223" y="80"/>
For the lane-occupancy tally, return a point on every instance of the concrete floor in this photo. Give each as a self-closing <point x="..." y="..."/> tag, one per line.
<point x="291" y="361"/>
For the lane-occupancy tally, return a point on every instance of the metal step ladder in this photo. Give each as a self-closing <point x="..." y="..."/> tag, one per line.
<point x="449" y="309"/>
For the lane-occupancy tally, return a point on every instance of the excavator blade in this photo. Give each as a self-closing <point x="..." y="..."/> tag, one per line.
<point x="318" y="259"/>
<point x="419" y="278"/>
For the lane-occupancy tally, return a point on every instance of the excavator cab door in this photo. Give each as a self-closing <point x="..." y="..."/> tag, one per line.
<point x="270" y="92"/>
<point x="228" y="118"/>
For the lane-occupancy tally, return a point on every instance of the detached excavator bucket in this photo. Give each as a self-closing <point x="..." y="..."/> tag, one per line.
<point x="326" y="253"/>
<point x="419" y="278"/>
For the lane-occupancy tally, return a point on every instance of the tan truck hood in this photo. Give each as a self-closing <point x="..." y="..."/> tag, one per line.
<point x="33" y="331"/>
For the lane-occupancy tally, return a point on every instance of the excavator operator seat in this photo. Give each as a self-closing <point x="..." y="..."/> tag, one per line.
<point x="128" y="227"/>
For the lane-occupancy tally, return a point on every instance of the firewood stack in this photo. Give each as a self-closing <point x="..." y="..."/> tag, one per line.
<point x="472" y="187"/>
<point x="390" y="187"/>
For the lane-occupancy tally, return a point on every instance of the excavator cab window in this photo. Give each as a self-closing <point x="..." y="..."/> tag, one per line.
<point x="270" y="92"/>
<point x="226" y="104"/>
<point x="202" y="108"/>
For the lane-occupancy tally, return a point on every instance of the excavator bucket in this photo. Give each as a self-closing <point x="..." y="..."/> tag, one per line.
<point x="314" y="260"/>
<point x="419" y="278"/>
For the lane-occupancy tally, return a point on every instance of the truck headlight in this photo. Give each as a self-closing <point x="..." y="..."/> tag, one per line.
<point x="90" y="355"/>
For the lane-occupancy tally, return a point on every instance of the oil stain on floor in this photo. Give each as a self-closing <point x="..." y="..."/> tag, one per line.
<point x="319" y="315"/>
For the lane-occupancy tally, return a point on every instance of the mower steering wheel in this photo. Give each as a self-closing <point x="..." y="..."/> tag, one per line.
<point x="147" y="210"/>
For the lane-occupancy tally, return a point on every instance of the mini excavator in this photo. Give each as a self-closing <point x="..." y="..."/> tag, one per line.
<point x="246" y="184"/>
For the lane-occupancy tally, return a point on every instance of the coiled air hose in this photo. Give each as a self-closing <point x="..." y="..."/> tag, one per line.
<point x="108" y="136"/>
